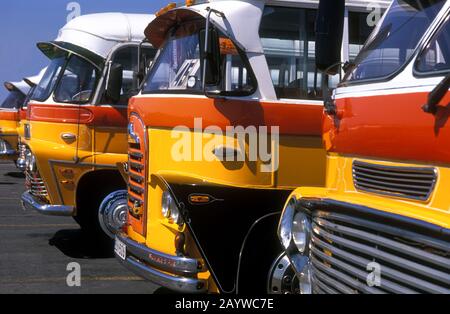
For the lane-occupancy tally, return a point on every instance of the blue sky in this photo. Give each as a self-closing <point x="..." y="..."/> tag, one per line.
<point x="26" y="22"/>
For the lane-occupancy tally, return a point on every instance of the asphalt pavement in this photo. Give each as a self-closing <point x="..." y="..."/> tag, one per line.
<point x="41" y="254"/>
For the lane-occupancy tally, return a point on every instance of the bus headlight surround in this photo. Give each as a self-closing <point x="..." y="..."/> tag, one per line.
<point x="170" y="210"/>
<point x="301" y="231"/>
<point x="285" y="226"/>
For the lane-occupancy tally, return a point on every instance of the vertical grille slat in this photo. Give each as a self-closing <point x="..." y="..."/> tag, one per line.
<point x="342" y="246"/>
<point x="405" y="182"/>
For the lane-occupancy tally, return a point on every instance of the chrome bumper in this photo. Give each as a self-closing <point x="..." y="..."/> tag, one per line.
<point x="172" y="272"/>
<point x="29" y="202"/>
<point x="6" y="151"/>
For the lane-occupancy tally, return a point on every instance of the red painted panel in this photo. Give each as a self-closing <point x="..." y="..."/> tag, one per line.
<point x="91" y="115"/>
<point x="390" y="127"/>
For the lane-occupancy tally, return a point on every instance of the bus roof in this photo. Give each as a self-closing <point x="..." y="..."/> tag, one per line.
<point x="100" y="32"/>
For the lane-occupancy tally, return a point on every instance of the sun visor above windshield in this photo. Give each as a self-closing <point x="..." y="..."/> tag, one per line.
<point x="240" y="22"/>
<point x="156" y="31"/>
<point x="54" y="49"/>
<point x="17" y="86"/>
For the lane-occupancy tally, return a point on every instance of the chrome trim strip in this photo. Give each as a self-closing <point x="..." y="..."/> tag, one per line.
<point x="179" y="284"/>
<point x="31" y="203"/>
<point x="174" y="264"/>
<point x="8" y="153"/>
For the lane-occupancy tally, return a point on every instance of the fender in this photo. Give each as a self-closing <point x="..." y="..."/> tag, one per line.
<point x="221" y="225"/>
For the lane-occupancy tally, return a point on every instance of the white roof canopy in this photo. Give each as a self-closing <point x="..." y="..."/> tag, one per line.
<point x="100" y="32"/>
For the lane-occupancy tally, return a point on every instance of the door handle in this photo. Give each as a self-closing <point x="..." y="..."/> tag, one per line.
<point x="224" y="152"/>
<point x="68" y="137"/>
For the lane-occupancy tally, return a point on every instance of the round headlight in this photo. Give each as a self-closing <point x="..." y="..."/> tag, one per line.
<point x="176" y="217"/>
<point x="166" y="204"/>
<point x="301" y="230"/>
<point x="170" y="209"/>
<point x="285" y="226"/>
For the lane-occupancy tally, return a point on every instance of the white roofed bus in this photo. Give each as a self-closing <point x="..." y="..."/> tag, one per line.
<point x="75" y="131"/>
<point x="227" y="123"/>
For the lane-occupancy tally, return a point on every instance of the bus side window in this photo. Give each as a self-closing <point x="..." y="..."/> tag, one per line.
<point x="436" y="57"/>
<point x="288" y="39"/>
<point x="128" y="58"/>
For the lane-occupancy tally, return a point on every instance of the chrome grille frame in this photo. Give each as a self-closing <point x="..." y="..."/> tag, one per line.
<point x="35" y="185"/>
<point x="347" y="237"/>
<point x="416" y="183"/>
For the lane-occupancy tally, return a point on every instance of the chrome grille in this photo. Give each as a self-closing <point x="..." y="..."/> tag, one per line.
<point x="136" y="175"/>
<point x="343" y="246"/>
<point x="404" y="182"/>
<point x="35" y="184"/>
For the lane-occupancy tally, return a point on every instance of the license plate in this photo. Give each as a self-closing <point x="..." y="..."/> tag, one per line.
<point x="120" y="249"/>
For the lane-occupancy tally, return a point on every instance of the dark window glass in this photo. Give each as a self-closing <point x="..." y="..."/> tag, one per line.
<point x="77" y="83"/>
<point x="14" y="100"/>
<point x="395" y="40"/>
<point x="128" y="58"/>
<point x="436" y="57"/>
<point x="45" y="87"/>
<point x="360" y="26"/>
<point x="288" y="39"/>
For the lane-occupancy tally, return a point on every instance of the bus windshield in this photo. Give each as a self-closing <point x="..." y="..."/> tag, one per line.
<point x="395" y="39"/>
<point x="48" y="81"/>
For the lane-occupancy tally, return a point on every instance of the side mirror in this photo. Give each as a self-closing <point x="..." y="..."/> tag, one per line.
<point x="114" y="82"/>
<point x="210" y="57"/>
<point x="329" y="33"/>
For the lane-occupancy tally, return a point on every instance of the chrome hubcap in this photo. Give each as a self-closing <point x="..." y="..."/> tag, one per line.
<point x="113" y="212"/>
<point x="282" y="278"/>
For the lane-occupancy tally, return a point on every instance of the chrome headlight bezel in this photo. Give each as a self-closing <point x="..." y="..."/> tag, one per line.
<point x="30" y="162"/>
<point x="170" y="210"/>
<point x="294" y="229"/>
<point x="301" y="231"/>
<point x="285" y="225"/>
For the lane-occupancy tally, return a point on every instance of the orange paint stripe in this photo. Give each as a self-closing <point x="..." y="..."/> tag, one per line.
<point x="293" y="119"/>
<point x="9" y="115"/>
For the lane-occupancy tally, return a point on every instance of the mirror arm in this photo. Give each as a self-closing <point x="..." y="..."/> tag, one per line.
<point x="141" y="70"/>
<point x="108" y="73"/>
<point x="208" y="20"/>
<point x="436" y="95"/>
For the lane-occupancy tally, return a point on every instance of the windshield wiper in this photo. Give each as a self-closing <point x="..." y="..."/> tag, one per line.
<point x="436" y="95"/>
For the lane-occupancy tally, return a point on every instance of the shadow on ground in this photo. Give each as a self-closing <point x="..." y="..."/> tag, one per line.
<point x="19" y="175"/>
<point x="76" y="243"/>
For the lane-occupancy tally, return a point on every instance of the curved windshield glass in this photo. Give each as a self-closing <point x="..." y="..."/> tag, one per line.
<point x="78" y="81"/>
<point x="395" y="40"/>
<point x="14" y="100"/>
<point x="177" y="67"/>
<point x="45" y="87"/>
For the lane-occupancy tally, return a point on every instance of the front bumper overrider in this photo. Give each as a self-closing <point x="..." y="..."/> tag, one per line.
<point x="172" y="272"/>
<point x="30" y="202"/>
